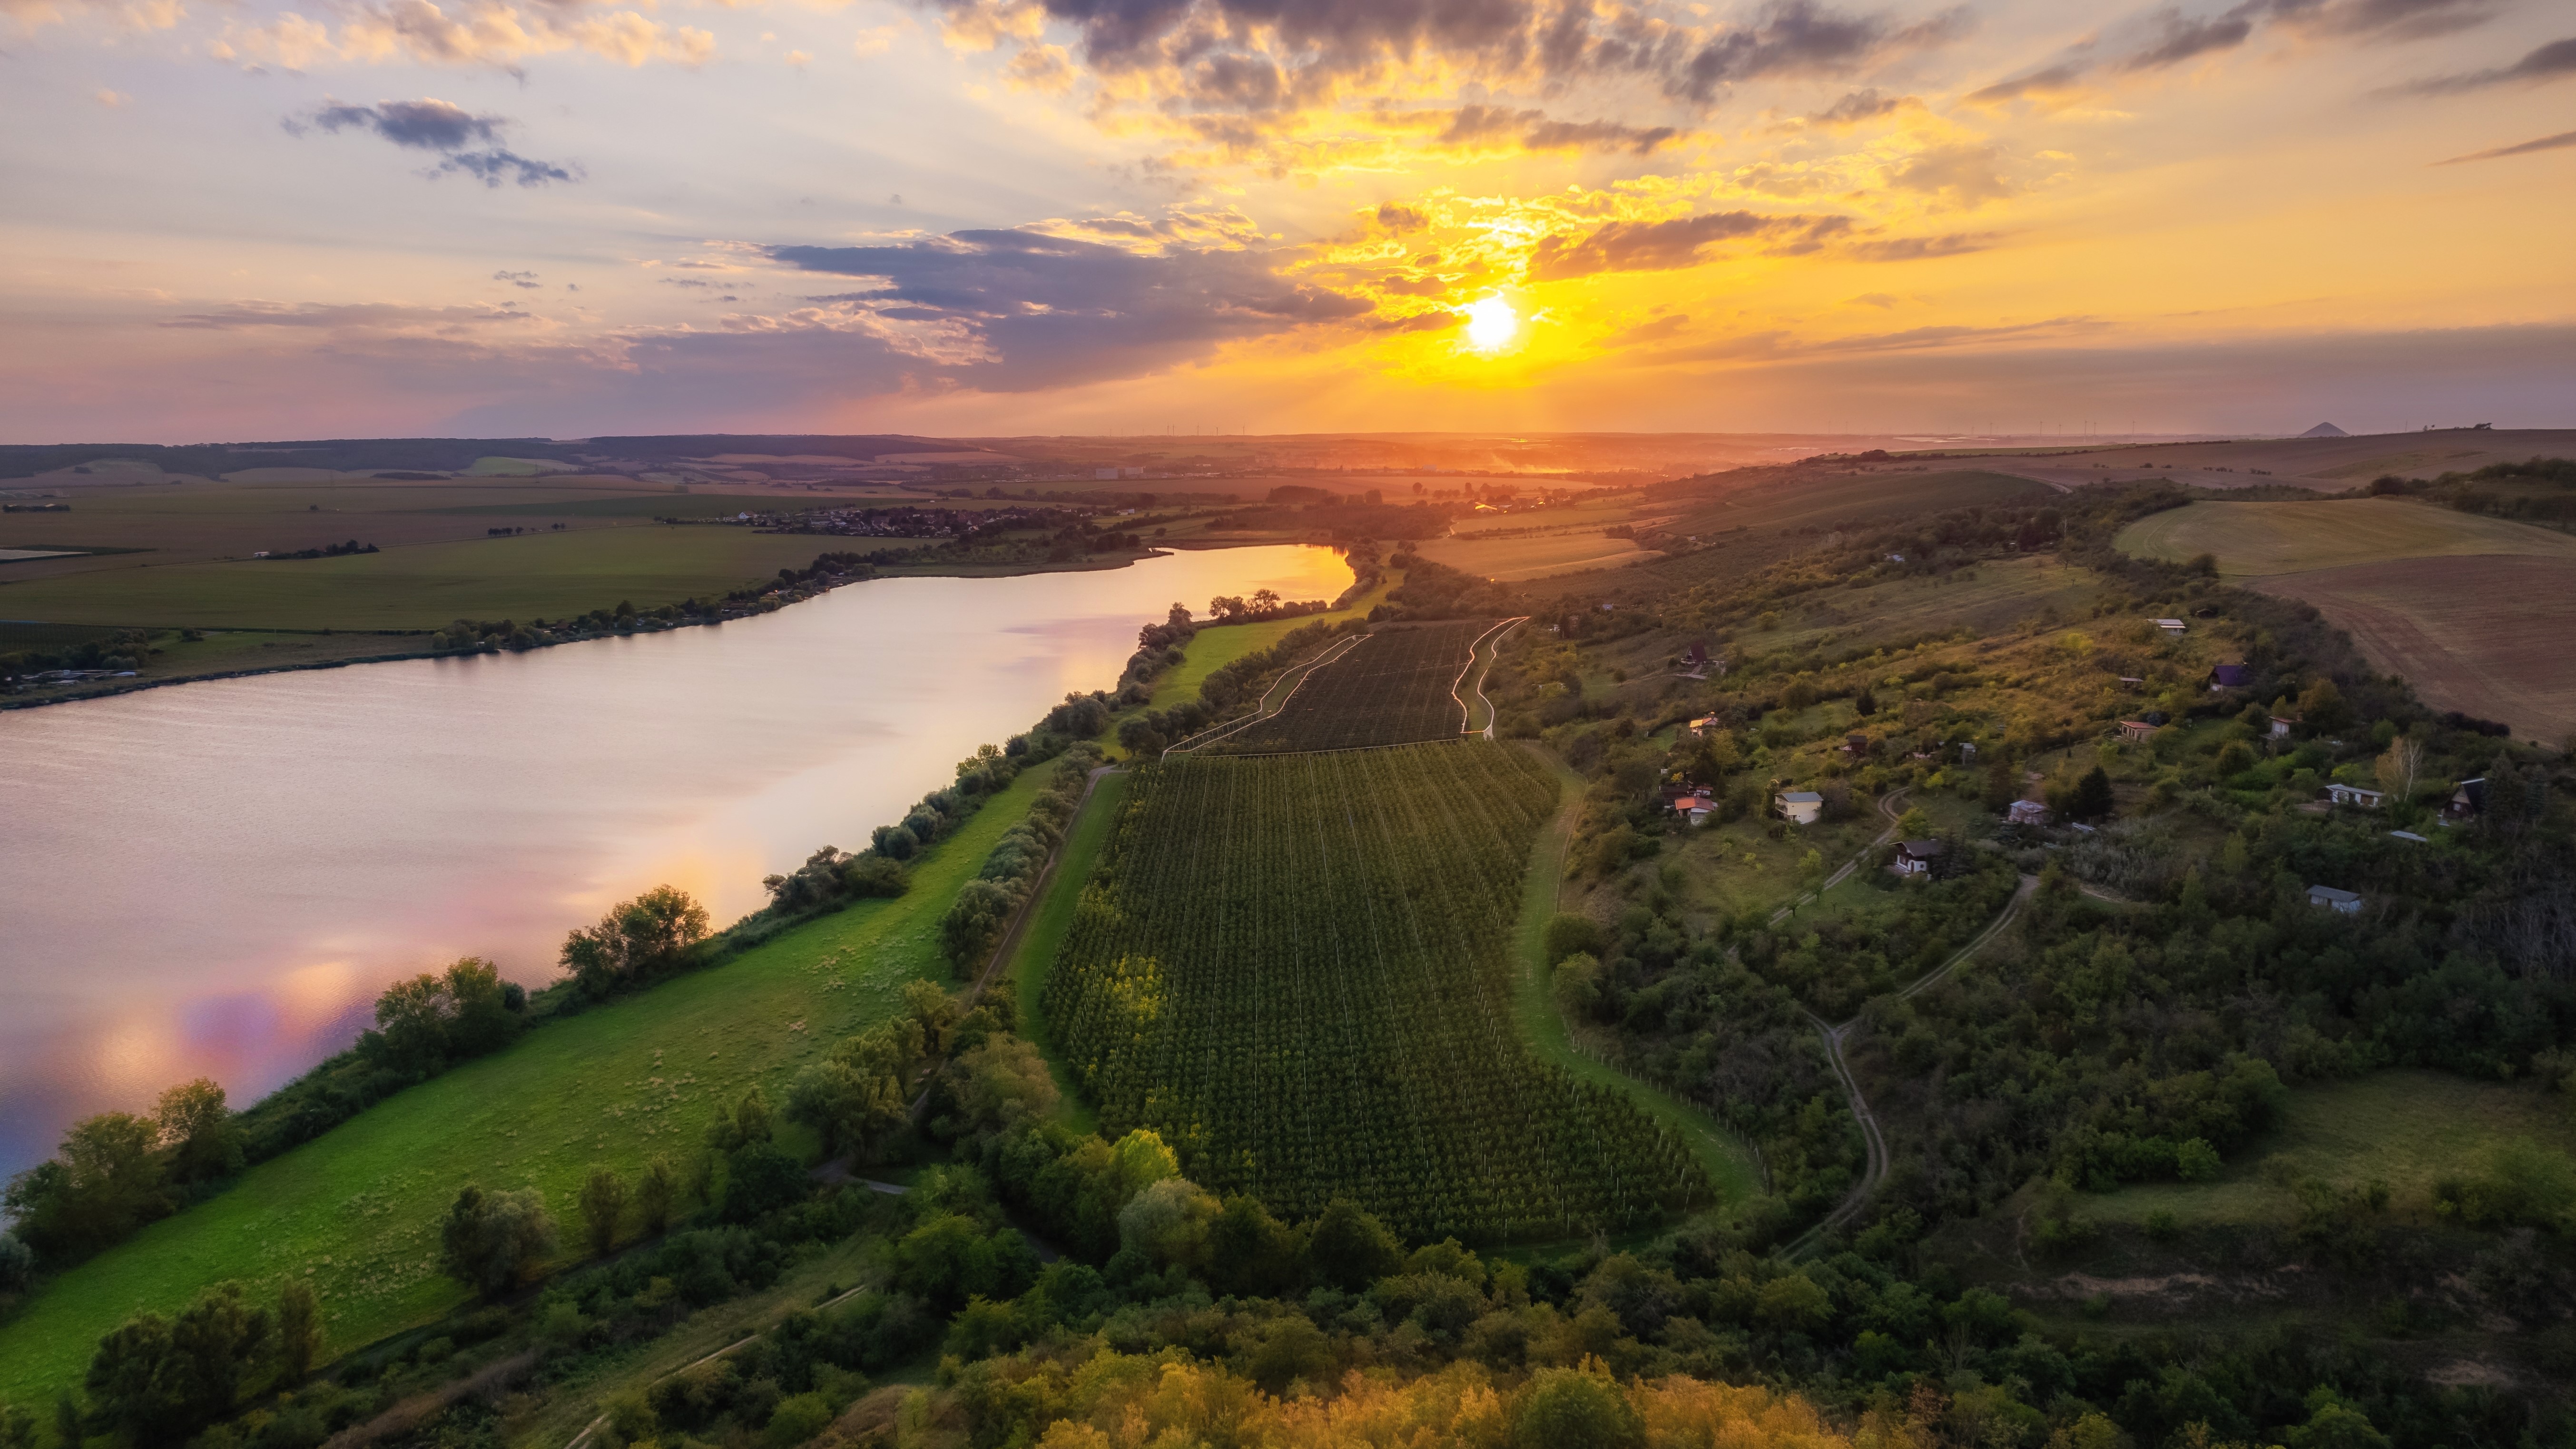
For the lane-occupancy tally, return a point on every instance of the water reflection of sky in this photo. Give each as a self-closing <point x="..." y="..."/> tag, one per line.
<point x="218" y="878"/>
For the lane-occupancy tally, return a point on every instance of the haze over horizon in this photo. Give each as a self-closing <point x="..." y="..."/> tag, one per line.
<point x="1010" y="217"/>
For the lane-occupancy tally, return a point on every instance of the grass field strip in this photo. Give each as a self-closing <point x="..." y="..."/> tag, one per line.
<point x="1294" y="968"/>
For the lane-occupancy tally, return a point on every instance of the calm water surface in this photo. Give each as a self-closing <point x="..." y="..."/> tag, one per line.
<point x="218" y="878"/>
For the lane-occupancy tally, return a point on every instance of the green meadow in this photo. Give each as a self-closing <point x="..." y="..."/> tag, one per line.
<point x="356" y="1212"/>
<point x="423" y="586"/>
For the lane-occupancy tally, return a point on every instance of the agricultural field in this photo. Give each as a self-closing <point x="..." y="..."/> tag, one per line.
<point x="355" y="1212"/>
<point x="1297" y="971"/>
<point x="1819" y="504"/>
<point x="2473" y="611"/>
<point x="2259" y="540"/>
<point x="1534" y="556"/>
<point x="1398" y="685"/>
<point x="2485" y="636"/>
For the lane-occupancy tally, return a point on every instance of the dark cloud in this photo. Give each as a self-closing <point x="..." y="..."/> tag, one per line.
<point x="1400" y="219"/>
<point x="1048" y="310"/>
<point x="1860" y="106"/>
<point x="1782" y="345"/>
<point x="2545" y="143"/>
<point x="427" y="125"/>
<point x="1917" y="248"/>
<point x="1657" y="246"/>
<point x="2165" y="37"/>
<point x="1533" y="131"/>
<point x="1262" y="56"/>
<point x="496" y="165"/>
<point x="435" y="125"/>
<point x="526" y="281"/>
<point x="2174" y="38"/>
<point x="2550" y="62"/>
<point x="2383" y="19"/>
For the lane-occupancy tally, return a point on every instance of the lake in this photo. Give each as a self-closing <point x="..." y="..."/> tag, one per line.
<point x="217" y="878"/>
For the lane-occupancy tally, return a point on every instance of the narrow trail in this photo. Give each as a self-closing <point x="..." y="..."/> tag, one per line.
<point x="1467" y="720"/>
<point x="1872" y="1137"/>
<point x="1294" y="677"/>
<point x="1890" y="805"/>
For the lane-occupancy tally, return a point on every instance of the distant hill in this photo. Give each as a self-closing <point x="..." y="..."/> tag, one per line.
<point x="2325" y="430"/>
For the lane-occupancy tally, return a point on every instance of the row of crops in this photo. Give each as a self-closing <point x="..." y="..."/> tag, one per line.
<point x="1396" y="686"/>
<point x="1295" y="968"/>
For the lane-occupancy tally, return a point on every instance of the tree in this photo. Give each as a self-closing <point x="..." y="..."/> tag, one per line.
<point x="492" y="1240"/>
<point x="635" y="940"/>
<point x="603" y="1208"/>
<point x="1249" y="1252"/>
<point x="17" y="1264"/>
<point x="2321" y="707"/>
<point x="2093" y="799"/>
<point x="1577" y="1408"/>
<point x="202" y="1137"/>
<point x="1568" y="933"/>
<point x="158" y="1381"/>
<point x="411" y="1026"/>
<point x="481" y="1017"/>
<point x="1003" y="1084"/>
<point x="760" y="1179"/>
<point x="655" y="1195"/>
<point x="299" y="1330"/>
<point x="1865" y="704"/>
<point x="1914" y="824"/>
<point x="1349" y="1248"/>
<point x="17" y="1428"/>
<point x="102" y="1183"/>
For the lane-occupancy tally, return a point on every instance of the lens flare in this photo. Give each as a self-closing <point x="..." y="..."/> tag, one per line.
<point x="1490" y="323"/>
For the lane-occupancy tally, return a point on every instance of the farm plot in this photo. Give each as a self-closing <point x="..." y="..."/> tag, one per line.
<point x="1295" y="969"/>
<point x="1397" y="686"/>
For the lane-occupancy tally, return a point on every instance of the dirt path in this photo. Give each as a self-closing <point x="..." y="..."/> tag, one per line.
<point x="1890" y="805"/>
<point x="1467" y="712"/>
<point x="1294" y="677"/>
<point x="1872" y="1138"/>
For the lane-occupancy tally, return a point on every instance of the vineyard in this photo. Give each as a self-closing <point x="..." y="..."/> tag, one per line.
<point x="1395" y="686"/>
<point x="1294" y="969"/>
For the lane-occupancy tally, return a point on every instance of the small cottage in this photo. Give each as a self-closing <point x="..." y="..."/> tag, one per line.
<point x="2172" y="626"/>
<point x="2282" y="725"/>
<point x="1703" y="724"/>
<point x="2230" y="676"/>
<point x="2356" y="796"/>
<point x="2137" y="731"/>
<point x="1695" y="809"/>
<point x="2467" y="801"/>
<point x="1855" y="744"/>
<point x="1914" y="857"/>
<point x="2026" y="812"/>
<point x="1800" y="807"/>
<point x="2328" y="898"/>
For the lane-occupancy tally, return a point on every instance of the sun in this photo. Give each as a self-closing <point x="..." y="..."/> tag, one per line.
<point x="1490" y="323"/>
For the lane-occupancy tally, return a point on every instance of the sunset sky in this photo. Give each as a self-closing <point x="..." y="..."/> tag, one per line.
<point x="558" y="217"/>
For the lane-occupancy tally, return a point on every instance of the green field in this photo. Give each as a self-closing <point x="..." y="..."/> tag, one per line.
<point x="2263" y="539"/>
<point x="1542" y="1026"/>
<point x="2403" y="1128"/>
<point x="1297" y="970"/>
<point x="356" y="1211"/>
<point x="423" y="586"/>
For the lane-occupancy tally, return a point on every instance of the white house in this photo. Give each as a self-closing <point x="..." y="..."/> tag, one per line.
<point x="2356" y="796"/>
<point x="2345" y="902"/>
<point x="1800" y="807"/>
<point x="1914" y="857"/>
<point x="2172" y="626"/>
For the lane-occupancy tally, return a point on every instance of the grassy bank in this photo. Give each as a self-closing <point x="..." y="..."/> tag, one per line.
<point x="356" y="1212"/>
<point x="1728" y="1164"/>
<point x="1038" y="945"/>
